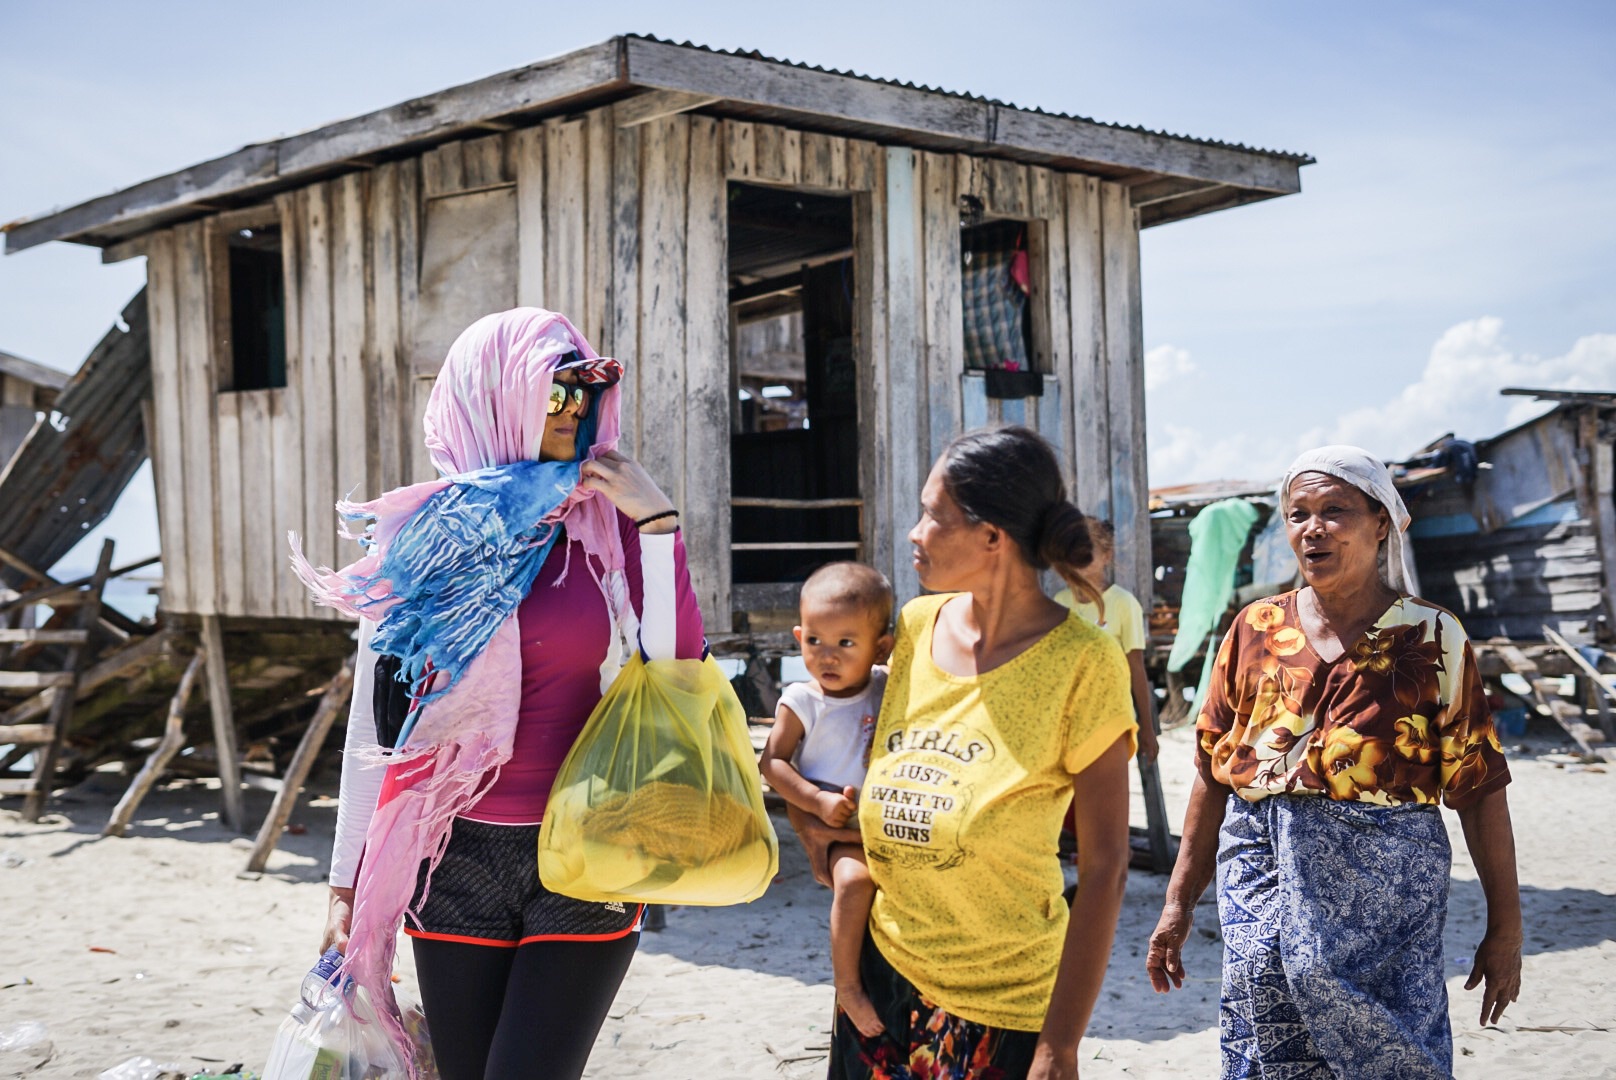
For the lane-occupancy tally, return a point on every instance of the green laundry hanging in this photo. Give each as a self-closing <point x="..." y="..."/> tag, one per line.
<point x="1217" y="534"/>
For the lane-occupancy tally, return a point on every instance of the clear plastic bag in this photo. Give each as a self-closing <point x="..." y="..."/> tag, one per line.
<point x="23" y="1036"/>
<point x="143" y="1068"/>
<point x="426" y="1065"/>
<point x="339" y="1038"/>
<point x="659" y="800"/>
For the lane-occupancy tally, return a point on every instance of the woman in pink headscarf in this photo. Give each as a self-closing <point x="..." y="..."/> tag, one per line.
<point x="496" y="603"/>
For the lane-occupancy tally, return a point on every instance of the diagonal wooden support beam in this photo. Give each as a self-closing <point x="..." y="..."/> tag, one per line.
<point x="658" y="104"/>
<point x="330" y="707"/>
<point x="1567" y="715"/>
<point x="172" y="742"/>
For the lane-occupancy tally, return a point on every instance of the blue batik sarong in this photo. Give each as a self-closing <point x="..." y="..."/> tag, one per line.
<point x="1332" y="933"/>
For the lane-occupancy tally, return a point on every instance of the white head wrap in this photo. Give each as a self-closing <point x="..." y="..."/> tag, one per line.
<point x="1365" y="472"/>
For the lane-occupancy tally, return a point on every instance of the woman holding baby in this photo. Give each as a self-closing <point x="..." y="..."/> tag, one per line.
<point x="1001" y="708"/>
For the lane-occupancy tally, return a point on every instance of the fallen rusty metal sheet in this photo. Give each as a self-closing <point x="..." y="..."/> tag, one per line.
<point x="65" y="477"/>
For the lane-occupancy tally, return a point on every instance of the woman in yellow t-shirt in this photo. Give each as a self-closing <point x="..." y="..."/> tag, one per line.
<point x="1001" y="707"/>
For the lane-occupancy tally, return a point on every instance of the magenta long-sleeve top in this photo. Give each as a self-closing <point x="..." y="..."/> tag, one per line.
<point x="565" y="634"/>
<point x="566" y="631"/>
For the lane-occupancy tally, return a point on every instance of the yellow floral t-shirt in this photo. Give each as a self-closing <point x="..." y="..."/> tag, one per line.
<point x="961" y="811"/>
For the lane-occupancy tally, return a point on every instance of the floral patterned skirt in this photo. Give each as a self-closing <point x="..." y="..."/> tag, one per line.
<point x="1332" y="919"/>
<point x="922" y="1041"/>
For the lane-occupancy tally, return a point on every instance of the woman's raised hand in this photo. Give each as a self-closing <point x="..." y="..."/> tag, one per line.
<point x="629" y="487"/>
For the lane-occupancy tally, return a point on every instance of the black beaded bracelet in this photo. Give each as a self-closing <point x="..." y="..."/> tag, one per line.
<point x="644" y="521"/>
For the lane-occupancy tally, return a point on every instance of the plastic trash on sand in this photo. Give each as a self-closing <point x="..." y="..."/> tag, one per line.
<point x="659" y="799"/>
<point x="145" y="1068"/>
<point x="25" y="1047"/>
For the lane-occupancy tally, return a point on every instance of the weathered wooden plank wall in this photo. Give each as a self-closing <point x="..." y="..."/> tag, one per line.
<point x="625" y="229"/>
<point x="1083" y="243"/>
<point x="168" y="449"/>
<point x="239" y="469"/>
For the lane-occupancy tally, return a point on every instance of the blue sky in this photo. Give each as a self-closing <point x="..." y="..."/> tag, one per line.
<point x="1458" y="233"/>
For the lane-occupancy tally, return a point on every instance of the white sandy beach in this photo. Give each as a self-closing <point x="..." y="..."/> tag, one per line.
<point x="202" y="964"/>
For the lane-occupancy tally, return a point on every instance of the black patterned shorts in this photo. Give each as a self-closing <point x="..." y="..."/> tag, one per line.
<point x="486" y="891"/>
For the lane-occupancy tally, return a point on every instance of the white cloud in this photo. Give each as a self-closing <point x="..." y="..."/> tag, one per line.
<point x="1458" y="391"/>
<point x="1164" y="364"/>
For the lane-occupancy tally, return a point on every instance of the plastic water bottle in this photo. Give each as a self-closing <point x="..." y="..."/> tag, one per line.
<point x="319" y="986"/>
<point x="311" y="1042"/>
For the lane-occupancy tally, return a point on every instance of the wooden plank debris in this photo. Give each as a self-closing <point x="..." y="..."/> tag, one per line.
<point x="1566" y="714"/>
<point x="61" y="713"/>
<point x="126" y="663"/>
<point x="1598" y="679"/>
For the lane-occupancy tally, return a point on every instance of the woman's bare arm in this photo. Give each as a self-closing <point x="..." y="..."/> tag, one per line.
<point x="1192" y="873"/>
<point x="1100" y="802"/>
<point x="1490" y="838"/>
<point x="816" y="838"/>
<point x="1144" y="704"/>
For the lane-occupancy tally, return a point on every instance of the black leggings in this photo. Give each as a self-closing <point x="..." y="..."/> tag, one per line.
<point x="529" y="1013"/>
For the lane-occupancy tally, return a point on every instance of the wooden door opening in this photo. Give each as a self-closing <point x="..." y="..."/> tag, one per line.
<point x="794" y="449"/>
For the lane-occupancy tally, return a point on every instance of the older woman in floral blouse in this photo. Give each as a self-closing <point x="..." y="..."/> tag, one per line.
<point x="1337" y="717"/>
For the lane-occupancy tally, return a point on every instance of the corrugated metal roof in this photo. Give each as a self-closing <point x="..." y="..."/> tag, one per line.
<point x="753" y="54"/>
<point x="63" y="480"/>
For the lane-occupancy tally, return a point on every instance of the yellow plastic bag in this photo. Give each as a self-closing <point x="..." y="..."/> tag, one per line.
<point x="659" y="800"/>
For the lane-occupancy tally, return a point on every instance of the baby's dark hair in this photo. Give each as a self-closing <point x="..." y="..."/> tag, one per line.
<point x="852" y="584"/>
<point x="1009" y="477"/>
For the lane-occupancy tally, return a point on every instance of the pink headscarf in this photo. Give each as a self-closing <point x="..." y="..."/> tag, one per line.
<point x="487" y="409"/>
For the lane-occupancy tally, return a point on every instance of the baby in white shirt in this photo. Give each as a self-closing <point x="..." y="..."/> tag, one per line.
<point x="820" y="745"/>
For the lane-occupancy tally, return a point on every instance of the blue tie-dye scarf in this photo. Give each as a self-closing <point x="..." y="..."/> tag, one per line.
<point x="462" y="564"/>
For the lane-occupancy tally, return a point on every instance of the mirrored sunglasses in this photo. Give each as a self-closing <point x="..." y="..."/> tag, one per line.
<point x="559" y="392"/>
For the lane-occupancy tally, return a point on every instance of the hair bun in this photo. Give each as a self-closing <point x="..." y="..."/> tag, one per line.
<point x="1064" y="539"/>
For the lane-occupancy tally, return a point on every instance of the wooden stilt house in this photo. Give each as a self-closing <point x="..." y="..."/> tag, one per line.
<point x="789" y="259"/>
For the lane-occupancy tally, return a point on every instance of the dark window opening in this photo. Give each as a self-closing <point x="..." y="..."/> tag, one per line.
<point x="996" y="285"/>
<point x="257" y="309"/>
<point x="794" y="450"/>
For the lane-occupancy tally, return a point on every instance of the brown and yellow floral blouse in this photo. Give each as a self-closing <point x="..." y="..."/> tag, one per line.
<point x="1400" y="717"/>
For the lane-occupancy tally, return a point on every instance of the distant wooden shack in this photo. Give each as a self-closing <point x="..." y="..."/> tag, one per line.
<point x="302" y="294"/>
<point x="1515" y="534"/>
<point x="1519" y="532"/>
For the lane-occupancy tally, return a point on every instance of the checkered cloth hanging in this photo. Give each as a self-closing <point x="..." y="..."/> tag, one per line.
<point x="995" y="312"/>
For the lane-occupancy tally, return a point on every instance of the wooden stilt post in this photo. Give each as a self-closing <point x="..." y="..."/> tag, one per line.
<point x="331" y="705"/>
<point x="172" y="742"/>
<point x="224" y="722"/>
<point x="1162" y="851"/>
